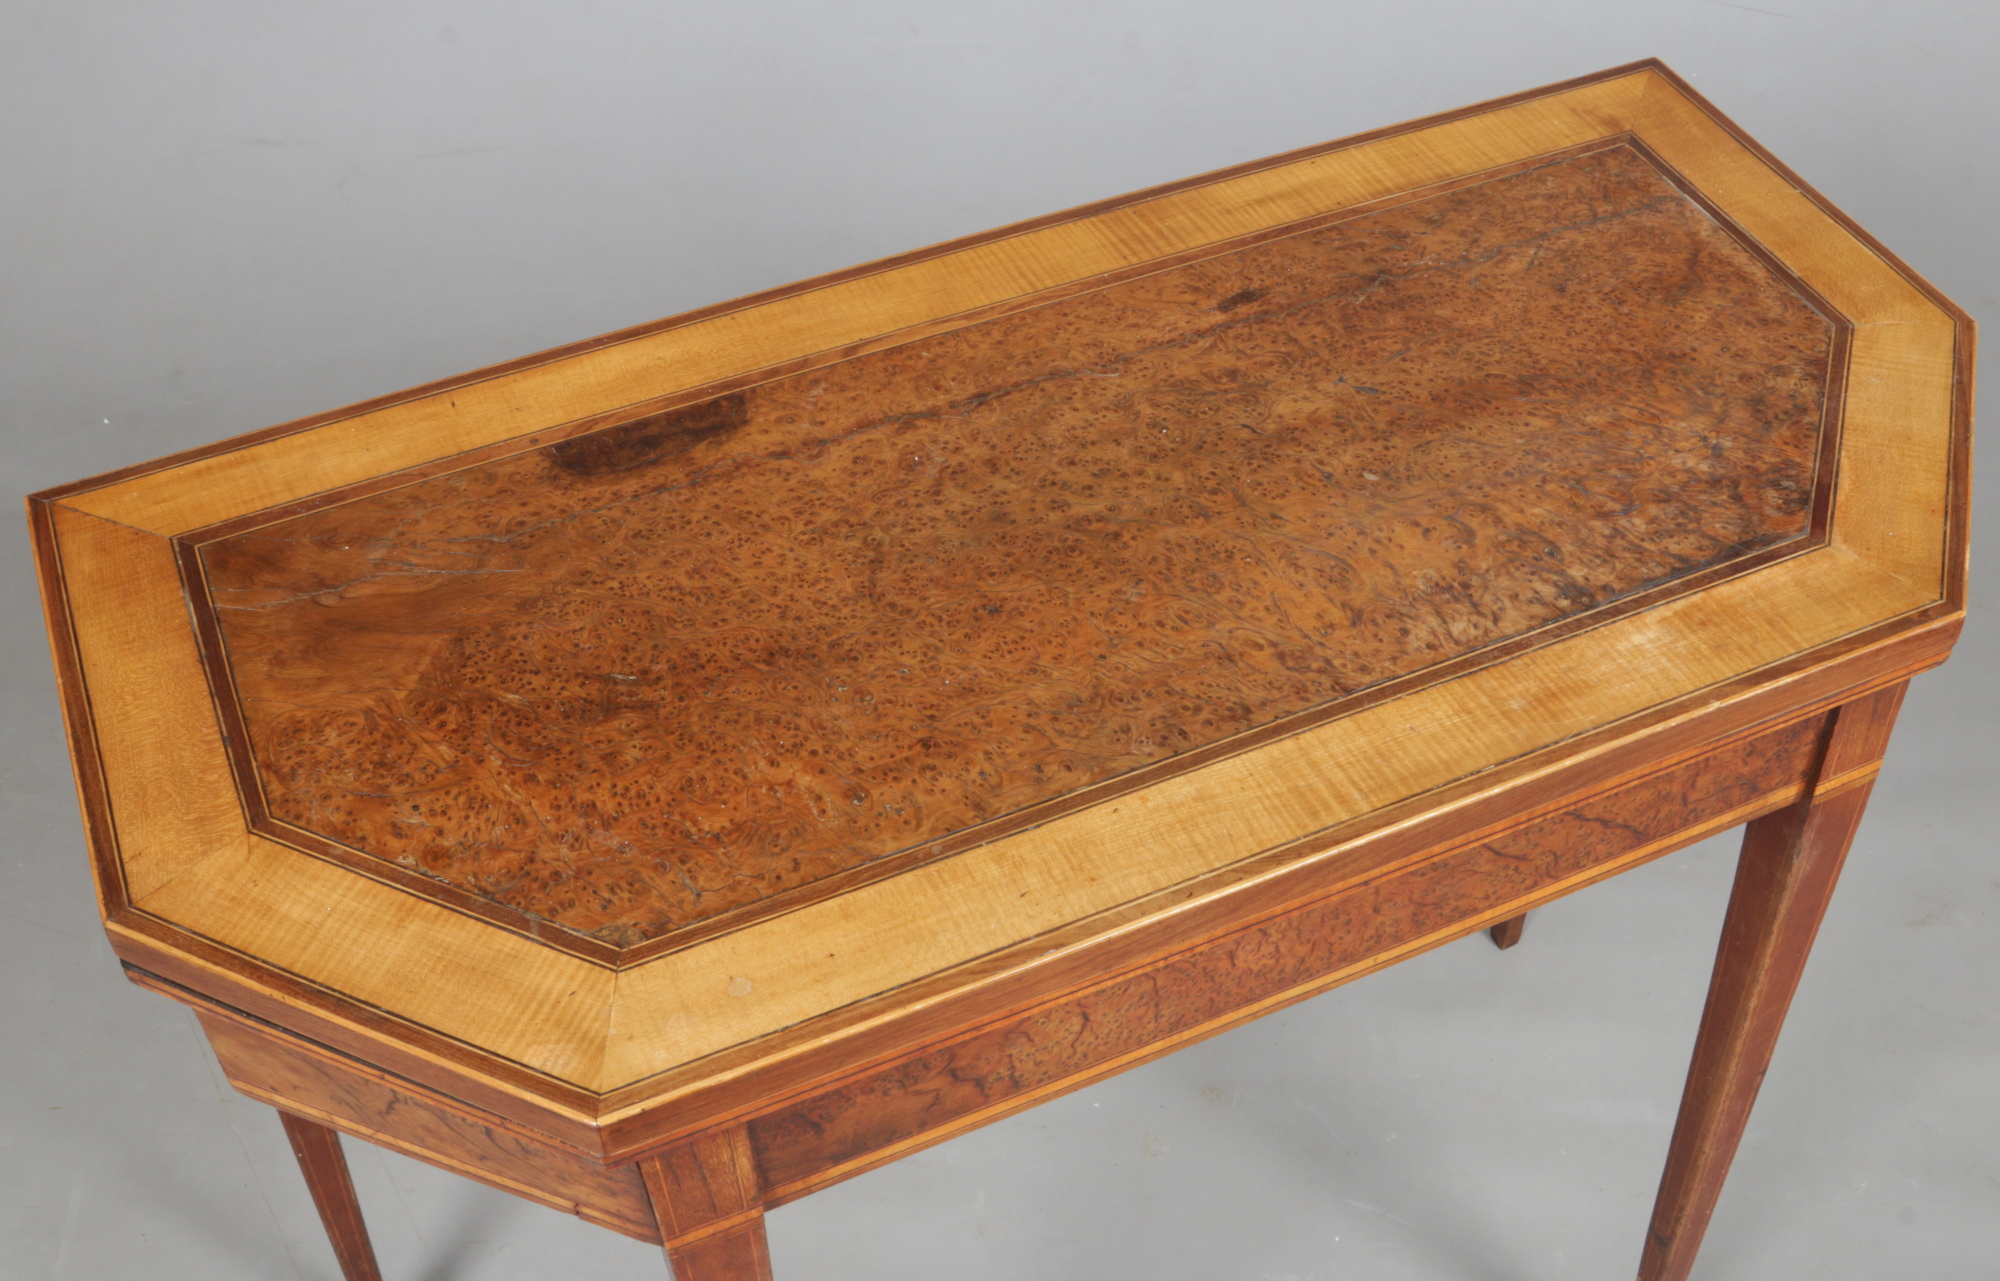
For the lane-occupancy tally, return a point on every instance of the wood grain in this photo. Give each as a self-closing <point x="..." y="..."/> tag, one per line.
<point x="708" y="1197"/>
<point x="332" y="1089"/>
<point x="1207" y="815"/>
<point x="325" y="1168"/>
<point x="1476" y="709"/>
<point x="1062" y="1043"/>
<point x="703" y="1185"/>
<point x="741" y="1254"/>
<point x="1911" y="368"/>
<point x="830" y="316"/>
<point x="827" y="955"/>
<point x="1508" y="932"/>
<point x="680" y="666"/>
<point x="536" y="1006"/>
<point x="185" y="968"/>
<point x="1784" y="880"/>
<point x="1212" y="817"/>
<point x="168" y="794"/>
<point x="764" y="742"/>
<point x="1009" y="980"/>
<point x="639" y="1118"/>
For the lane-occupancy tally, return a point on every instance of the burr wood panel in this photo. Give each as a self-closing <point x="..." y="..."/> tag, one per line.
<point x="1022" y="1057"/>
<point x="652" y="675"/>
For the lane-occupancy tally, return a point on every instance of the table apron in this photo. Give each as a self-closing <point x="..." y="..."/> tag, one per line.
<point x="1139" y="1014"/>
<point x="300" y="1076"/>
<point x="889" y="1108"/>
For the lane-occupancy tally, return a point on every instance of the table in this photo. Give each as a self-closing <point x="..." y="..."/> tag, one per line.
<point x="667" y="775"/>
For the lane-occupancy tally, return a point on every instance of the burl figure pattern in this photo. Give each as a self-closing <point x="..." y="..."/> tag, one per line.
<point x="651" y="675"/>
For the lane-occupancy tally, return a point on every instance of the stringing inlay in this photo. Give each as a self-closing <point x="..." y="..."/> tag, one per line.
<point x="651" y="675"/>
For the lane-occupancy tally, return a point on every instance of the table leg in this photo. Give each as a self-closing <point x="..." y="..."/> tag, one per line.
<point x="1508" y="932"/>
<point x="325" y="1168"/>
<point x="739" y="1255"/>
<point x="706" y="1195"/>
<point x="1784" y="878"/>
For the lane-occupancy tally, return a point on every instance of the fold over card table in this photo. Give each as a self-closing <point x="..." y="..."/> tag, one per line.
<point x="667" y="775"/>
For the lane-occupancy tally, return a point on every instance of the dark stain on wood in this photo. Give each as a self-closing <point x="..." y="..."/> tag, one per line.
<point x="648" y="440"/>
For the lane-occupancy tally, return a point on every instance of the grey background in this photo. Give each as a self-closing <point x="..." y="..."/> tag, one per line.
<point x="220" y="214"/>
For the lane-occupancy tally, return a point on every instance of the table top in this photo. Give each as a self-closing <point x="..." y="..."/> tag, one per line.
<point x="630" y="716"/>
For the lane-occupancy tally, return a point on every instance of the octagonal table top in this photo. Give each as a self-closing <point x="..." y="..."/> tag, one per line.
<point x="637" y="712"/>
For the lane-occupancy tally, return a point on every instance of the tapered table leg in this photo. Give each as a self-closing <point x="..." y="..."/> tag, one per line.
<point x="325" y="1168"/>
<point x="709" y="1204"/>
<point x="739" y="1255"/>
<point x="1508" y="932"/>
<point x="1784" y="878"/>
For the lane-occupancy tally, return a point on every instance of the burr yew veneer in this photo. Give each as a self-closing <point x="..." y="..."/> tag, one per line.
<point x="667" y="775"/>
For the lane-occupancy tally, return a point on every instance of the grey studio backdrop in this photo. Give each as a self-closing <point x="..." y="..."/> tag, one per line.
<point x="219" y="214"/>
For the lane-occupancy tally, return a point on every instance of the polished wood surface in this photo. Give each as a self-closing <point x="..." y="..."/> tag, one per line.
<point x="709" y="1198"/>
<point x="1198" y="992"/>
<point x="573" y="1034"/>
<point x="325" y="1168"/>
<point x="679" y="667"/>
<point x="1784" y="880"/>
<point x="304" y="1078"/>
<point x="1508" y="932"/>
<point x="667" y="775"/>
